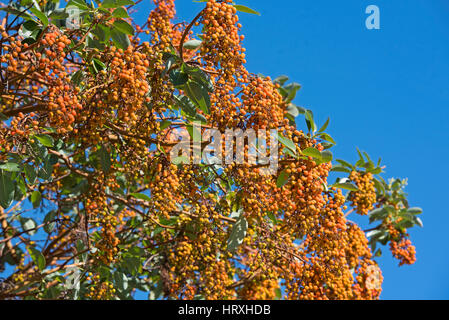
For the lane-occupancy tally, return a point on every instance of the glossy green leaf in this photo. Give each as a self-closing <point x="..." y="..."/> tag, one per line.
<point x="48" y="220"/>
<point x="10" y="167"/>
<point x="324" y="125"/>
<point x="120" y="39"/>
<point x="414" y="210"/>
<point x="110" y="4"/>
<point x="140" y="196"/>
<point x="30" y="173"/>
<point x="312" y="152"/>
<point x="340" y="168"/>
<point x="6" y="189"/>
<point x="36" y="198"/>
<point x="105" y="159"/>
<point x="45" y="139"/>
<point x="282" y="179"/>
<point x="81" y="4"/>
<point x="326" y="156"/>
<point x="245" y="9"/>
<point x="37" y="257"/>
<point x="287" y="143"/>
<point x="41" y="16"/>
<point x="186" y="105"/>
<point x="238" y="234"/>
<point x="346" y="185"/>
<point x="192" y="44"/>
<point x="281" y="80"/>
<point x="120" y="13"/>
<point x="345" y="163"/>
<point x="124" y="27"/>
<point x="309" y="121"/>
<point x="199" y="95"/>
<point x="327" y="137"/>
<point x="178" y="78"/>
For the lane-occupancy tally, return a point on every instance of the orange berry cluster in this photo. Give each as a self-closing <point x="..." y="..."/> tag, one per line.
<point x="364" y="199"/>
<point x="262" y="105"/>
<point x="403" y="250"/>
<point x="222" y="47"/>
<point x="401" y="247"/>
<point x="160" y="25"/>
<point x="100" y="290"/>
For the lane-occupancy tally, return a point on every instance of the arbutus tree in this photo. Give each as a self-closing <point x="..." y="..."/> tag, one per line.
<point x="92" y="205"/>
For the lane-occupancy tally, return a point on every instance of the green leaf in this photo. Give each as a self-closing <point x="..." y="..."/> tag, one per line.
<point x="165" y="124"/>
<point x="124" y="27"/>
<point x="50" y="216"/>
<point x="6" y="189"/>
<point x="377" y="214"/>
<point x="108" y="4"/>
<point x="199" y="76"/>
<point x="326" y="156"/>
<point x="287" y="142"/>
<point x="77" y="77"/>
<point x="45" y="140"/>
<point x="292" y="89"/>
<point x="120" y="13"/>
<point x="40" y="15"/>
<point x="102" y="33"/>
<point x="345" y="163"/>
<point x="374" y="233"/>
<point x="199" y="95"/>
<point x="327" y="137"/>
<point x="375" y="170"/>
<point x="414" y="210"/>
<point x="186" y="105"/>
<point x="37" y="257"/>
<point x="120" y="39"/>
<point x="79" y="4"/>
<point x="105" y="159"/>
<point x="140" y="196"/>
<point x="312" y="152"/>
<point x="238" y="233"/>
<point x="192" y="44"/>
<point x="417" y="221"/>
<point x="30" y="173"/>
<point x="292" y="110"/>
<point x="10" y="167"/>
<point x="28" y="28"/>
<point x="245" y="9"/>
<point x="281" y="80"/>
<point x="58" y="14"/>
<point x="272" y="217"/>
<point x="340" y="168"/>
<point x="98" y="65"/>
<point x="346" y="185"/>
<point x="324" y="125"/>
<point x="309" y="121"/>
<point x="47" y="169"/>
<point x="36" y="198"/>
<point x="282" y="179"/>
<point x="178" y="78"/>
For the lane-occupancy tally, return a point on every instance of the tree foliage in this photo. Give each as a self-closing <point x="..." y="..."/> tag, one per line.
<point x="93" y="207"/>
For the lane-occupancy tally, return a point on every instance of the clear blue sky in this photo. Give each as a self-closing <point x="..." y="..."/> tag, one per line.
<point x="386" y="92"/>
